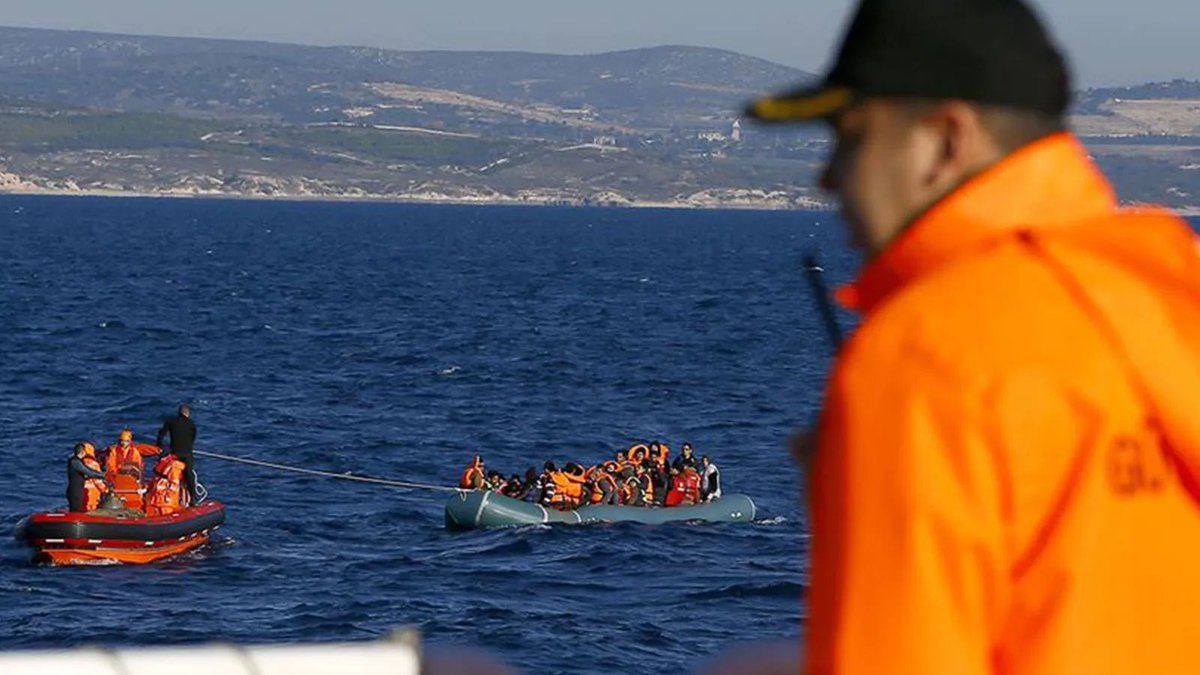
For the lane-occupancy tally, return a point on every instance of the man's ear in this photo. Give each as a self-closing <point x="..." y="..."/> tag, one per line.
<point x="962" y="144"/>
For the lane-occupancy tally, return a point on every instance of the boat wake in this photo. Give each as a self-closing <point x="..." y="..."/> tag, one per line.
<point x="777" y="520"/>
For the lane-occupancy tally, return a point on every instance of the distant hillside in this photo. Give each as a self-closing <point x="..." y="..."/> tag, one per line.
<point x="1091" y="101"/>
<point x="88" y="112"/>
<point x="117" y="114"/>
<point x="644" y="89"/>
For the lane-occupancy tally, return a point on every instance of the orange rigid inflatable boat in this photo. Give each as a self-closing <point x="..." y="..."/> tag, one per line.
<point x="130" y="525"/>
<point x="107" y="536"/>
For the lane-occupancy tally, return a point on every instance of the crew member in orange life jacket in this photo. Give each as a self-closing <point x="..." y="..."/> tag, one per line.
<point x="125" y="454"/>
<point x="93" y="488"/>
<point x="167" y="494"/>
<point x="77" y="474"/>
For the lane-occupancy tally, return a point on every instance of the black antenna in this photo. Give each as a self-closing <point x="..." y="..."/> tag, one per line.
<point x="820" y="295"/>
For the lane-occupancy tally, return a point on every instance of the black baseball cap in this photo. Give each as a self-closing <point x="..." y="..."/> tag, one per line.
<point x="985" y="51"/>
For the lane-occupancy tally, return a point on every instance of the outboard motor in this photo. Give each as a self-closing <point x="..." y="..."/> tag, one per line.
<point x="114" y="506"/>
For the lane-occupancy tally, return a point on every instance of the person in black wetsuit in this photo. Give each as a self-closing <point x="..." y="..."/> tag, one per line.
<point x="183" y="442"/>
<point x="77" y="473"/>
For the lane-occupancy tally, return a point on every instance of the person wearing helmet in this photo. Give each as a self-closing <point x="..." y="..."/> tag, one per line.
<point x="126" y="456"/>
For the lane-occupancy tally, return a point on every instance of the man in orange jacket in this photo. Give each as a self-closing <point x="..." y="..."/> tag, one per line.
<point x="1008" y="459"/>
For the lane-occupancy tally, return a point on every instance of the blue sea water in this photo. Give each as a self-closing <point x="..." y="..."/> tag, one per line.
<point x="397" y="341"/>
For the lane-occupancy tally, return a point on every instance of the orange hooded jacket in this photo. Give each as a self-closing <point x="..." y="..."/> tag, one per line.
<point x="1010" y="446"/>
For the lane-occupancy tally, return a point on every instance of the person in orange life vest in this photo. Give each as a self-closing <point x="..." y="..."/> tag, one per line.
<point x="589" y="484"/>
<point x="78" y="474"/>
<point x="473" y="477"/>
<point x="646" y="482"/>
<point x="568" y="488"/>
<point x="126" y="457"/>
<point x="1007" y="463"/>
<point x="631" y="488"/>
<point x="604" y="485"/>
<point x="576" y="481"/>
<point x="639" y="458"/>
<point x="622" y="460"/>
<point x="685" y="487"/>
<point x="167" y="493"/>
<point x="557" y="495"/>
<point x="94" y="489"/>
<point x="691" y="486"/>
<point x="675" y="492"/>
<point x="661" y="452"/>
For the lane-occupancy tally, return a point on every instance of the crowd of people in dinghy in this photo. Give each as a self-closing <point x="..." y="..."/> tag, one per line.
<point x="644" y="475"/>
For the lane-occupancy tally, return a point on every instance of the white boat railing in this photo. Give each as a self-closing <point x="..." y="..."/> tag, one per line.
<point x="393" y="657"/>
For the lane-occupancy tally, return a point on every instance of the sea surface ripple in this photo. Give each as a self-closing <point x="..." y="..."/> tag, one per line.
<point x="396" y="341"/>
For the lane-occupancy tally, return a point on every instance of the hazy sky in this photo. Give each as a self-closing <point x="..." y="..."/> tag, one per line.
<point x="1110" y="41"/>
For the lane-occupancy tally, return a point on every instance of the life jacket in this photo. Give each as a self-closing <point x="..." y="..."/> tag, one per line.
<point x="574" y="489"/>
<point x="664" y="453"/>
<point x="123" y="459"/>
<point x="130" y="489"/>
<point x="93" y="488"/>
<point x="473" y="478"/>
<point x="559" y="497"/>
<point x="166" y="492"/>
<point x="603" y="478"/>
<point x="645" y="450"/>
<point x="630" y="490"/>
<point x="691" y="486"/>
<point x="685" y="488"/>
<point x="647" y="487"/>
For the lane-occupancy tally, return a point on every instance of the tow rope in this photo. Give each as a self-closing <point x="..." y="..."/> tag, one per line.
<point x="407" y="485"/>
